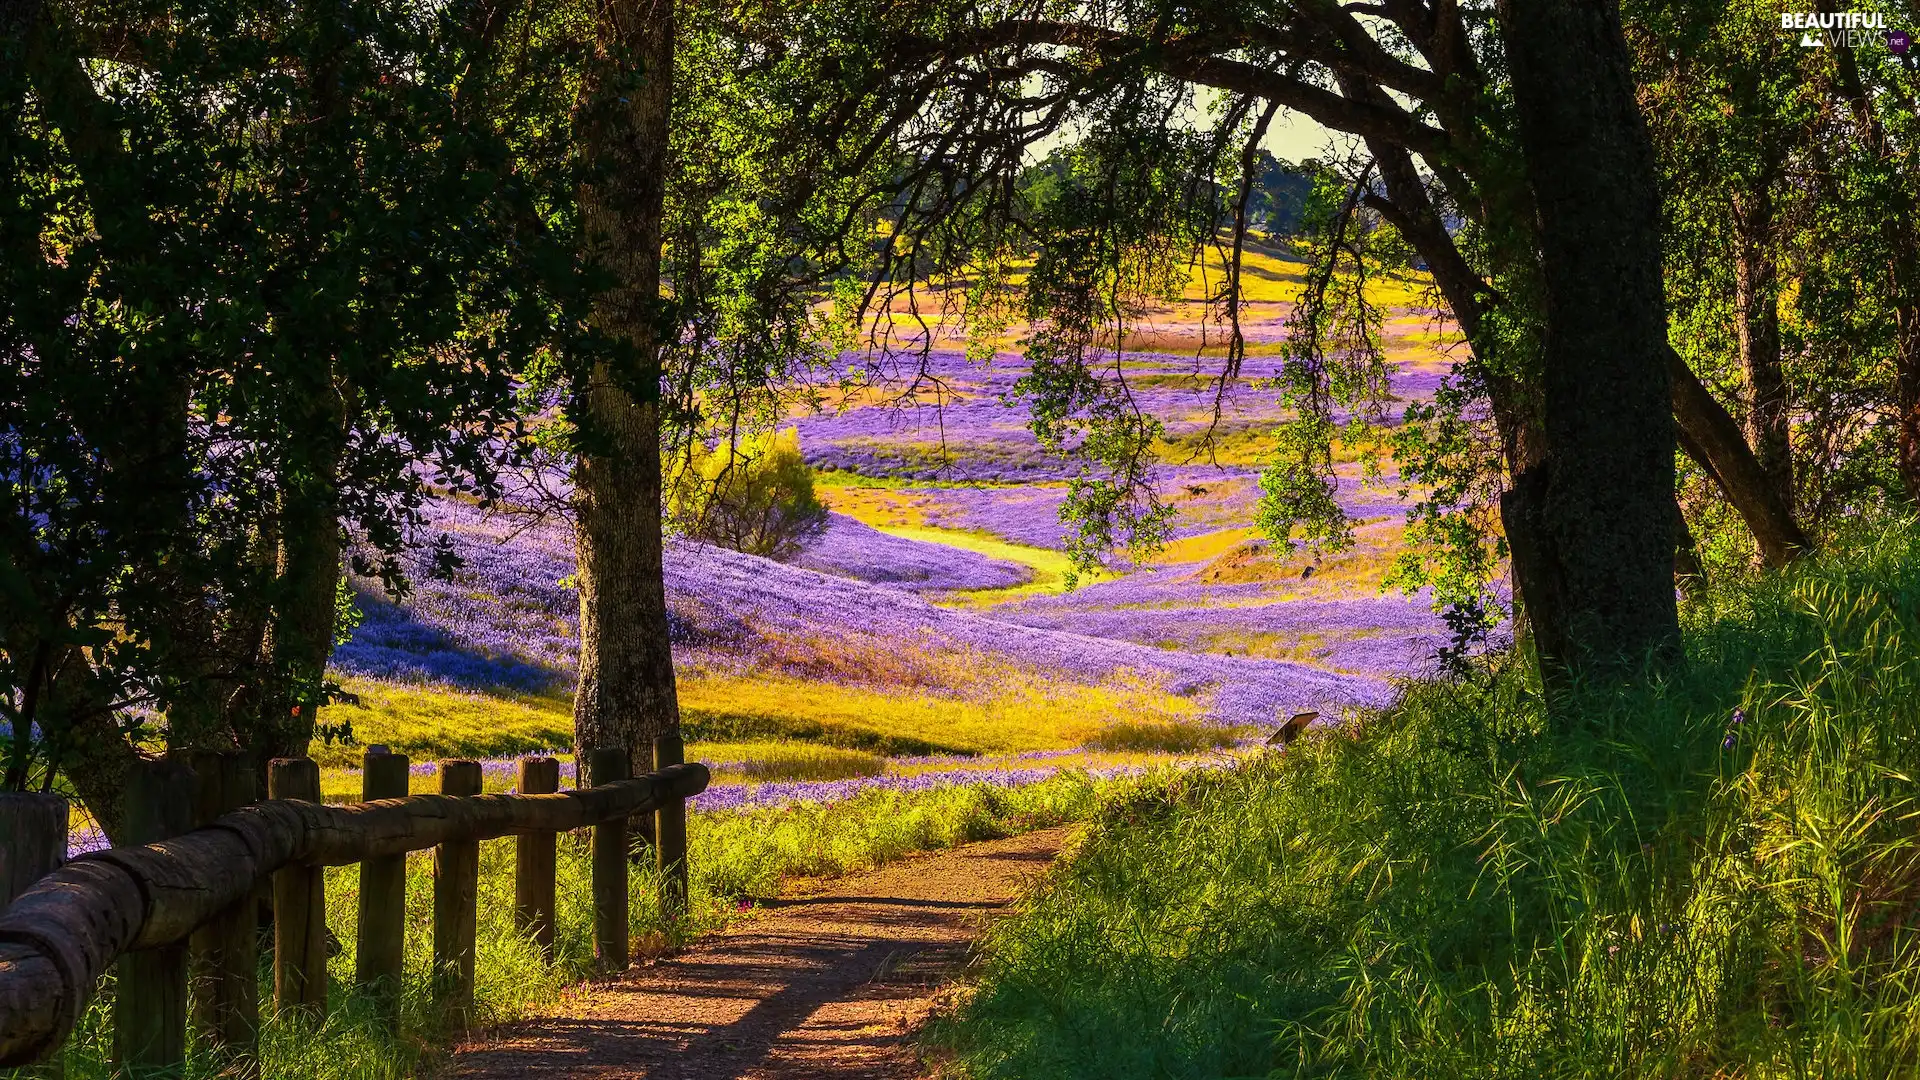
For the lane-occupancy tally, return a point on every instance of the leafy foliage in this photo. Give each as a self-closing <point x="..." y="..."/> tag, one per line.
<point x="265" y="284"/>
<point x="1778" y="207"/>
<point x="755" y="496"/>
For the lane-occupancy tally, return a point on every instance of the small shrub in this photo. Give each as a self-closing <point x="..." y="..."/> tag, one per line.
<point x="755" y="497"/>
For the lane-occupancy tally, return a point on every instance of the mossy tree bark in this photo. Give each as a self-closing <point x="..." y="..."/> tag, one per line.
<point x="626" y="692"/>
<point x="1592" y="525"/>
<point x="1756" y="299"/>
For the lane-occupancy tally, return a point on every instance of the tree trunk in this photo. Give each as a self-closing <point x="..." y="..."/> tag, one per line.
<point x="301" y="630"/>
<point x="626" y="691"/>
<point x="1756" y="299"/>
<point x="1597" y="575"/>
<point x="94" y="753"/>
<point x="1711" y="437"/>
<point x="1710" y="434"/>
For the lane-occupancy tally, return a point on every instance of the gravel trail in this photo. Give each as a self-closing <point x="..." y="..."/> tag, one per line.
<point x="832" y="980"/>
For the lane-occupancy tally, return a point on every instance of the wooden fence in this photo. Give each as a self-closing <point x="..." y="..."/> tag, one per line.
<point x="181" y="911"/>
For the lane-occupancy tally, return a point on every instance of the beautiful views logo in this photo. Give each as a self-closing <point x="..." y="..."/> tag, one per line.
<point x="1845" y="30"/>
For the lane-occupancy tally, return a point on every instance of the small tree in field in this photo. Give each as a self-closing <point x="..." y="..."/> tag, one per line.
<point x="755" y="496"/>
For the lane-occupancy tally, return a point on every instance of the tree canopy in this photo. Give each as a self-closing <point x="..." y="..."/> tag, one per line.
<point x="274" y="274"/>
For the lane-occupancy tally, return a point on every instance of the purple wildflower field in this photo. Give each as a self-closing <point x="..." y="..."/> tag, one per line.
<point x="503" y="621"/>
<point x="796" y="603"/>
<point x="502" y="615"/>
<point x="1238" y="646"/>
<point x="788" y="793"/>
<point x="851" y="548"/>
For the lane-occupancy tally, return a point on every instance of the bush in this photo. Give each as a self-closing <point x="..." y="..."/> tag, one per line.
<point x="755" y="497"/>
<point x="1714" y="875"/>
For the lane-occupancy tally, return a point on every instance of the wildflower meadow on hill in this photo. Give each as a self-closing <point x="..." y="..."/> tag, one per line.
<point x="931" y="615"/>
<point x="933" y="585"/>
<point x="1386" y="531"/>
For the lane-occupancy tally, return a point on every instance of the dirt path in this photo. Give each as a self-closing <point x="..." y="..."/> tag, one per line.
<point x="828" y="984"/>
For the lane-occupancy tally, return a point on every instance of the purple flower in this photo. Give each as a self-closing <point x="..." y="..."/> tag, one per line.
<point x="787" y="794"/>
<point x="1241" y="651"/>
<point x="855" y="550"/>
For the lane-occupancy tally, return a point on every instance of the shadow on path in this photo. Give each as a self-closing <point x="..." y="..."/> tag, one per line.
<point x="829" y="985"/>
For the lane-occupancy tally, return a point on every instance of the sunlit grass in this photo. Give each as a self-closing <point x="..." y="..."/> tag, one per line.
<point x="1360" y="570"/>
<point x="1267" y="275"/>
<point x="1710" y="874"/>
<point x="788" y="761"/>
<point x="1022" y="713"/>
<point x="429" y="722"/>
<point x="1163" y="737"/>
<point x="1246" y="445"/>
<point x="883" y="507"/>
<point x="1205" y="547"/>
<point x="1050" y="567"/>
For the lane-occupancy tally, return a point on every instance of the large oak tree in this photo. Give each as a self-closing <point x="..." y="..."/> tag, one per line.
<point x="1504" y="145"/>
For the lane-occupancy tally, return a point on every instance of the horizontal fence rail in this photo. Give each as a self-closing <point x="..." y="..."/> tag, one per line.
<point x="62" y="933"/>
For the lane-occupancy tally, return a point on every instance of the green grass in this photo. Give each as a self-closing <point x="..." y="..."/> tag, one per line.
<point x="735" y="859"/>
<point x="788" y="761"/>
<point x="1467" y="887"/>
<point x="1163" y="737"/>
<point x="997" y="708"/>
<point x="431" y="722"/>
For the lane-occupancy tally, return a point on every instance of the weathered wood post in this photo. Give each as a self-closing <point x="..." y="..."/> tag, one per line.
<point x="456" y="899"/>
<point x="670" y="830"/>
<point x="610" y="764"/>
<point x="150" y="990"/>
<point x="299" y="907"/>
<point x="534" y="861"/>
<point x="33" y="844"/>
<point x="379" y="954"/>
<point x="33" y="840"/>
<point x="225" y="950"/>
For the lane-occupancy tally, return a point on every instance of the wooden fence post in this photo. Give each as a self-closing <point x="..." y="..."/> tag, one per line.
<point x="299" y="907"/>
<point x="150" y="990"/>
<point x="610" y="764"/>
<point x="224" y="951"/>
<point x="33" y="844"/>
<point x="670" y="830"/>
<point x="379" y="957"/>
<point x="533" y="871"/>
<point x="33" y="840"/>
<point x="456" y="899"/>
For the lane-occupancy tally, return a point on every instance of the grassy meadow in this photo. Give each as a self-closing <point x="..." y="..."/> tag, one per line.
<point x="919" y="676"/>
<point x="1711" y="876"/>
